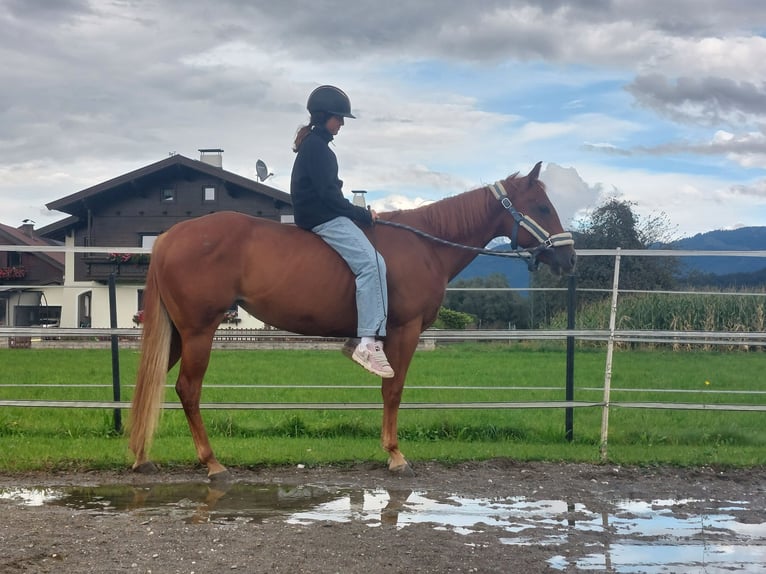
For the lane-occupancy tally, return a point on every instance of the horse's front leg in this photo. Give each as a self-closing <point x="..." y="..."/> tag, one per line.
<point x="400" y="346"/>
<point x="194" y="361"/>
<point x="389" y="436"/>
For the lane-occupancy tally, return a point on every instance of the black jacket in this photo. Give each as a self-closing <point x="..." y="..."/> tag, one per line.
<point x="315" y="188"/>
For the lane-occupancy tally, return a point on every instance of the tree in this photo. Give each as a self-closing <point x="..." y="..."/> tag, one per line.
<point x="492" y="309"/>
<point x="613" y="224"/>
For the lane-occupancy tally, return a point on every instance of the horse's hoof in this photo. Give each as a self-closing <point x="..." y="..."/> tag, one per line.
<point x="147" y="467"/>
<point x="402" y="470"/>
<point x="220" y="477"/>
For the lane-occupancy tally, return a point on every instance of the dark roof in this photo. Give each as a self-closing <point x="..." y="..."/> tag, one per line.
<point x="13" y="236"/>
<point x="75" y="204"/>
<point x="58" y="229"/>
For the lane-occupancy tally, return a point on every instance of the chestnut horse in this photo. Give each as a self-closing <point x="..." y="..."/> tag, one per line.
<point x="289" y="278"/>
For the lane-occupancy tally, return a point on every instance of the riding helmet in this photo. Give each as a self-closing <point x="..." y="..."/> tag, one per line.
<point x="331" y="100"/>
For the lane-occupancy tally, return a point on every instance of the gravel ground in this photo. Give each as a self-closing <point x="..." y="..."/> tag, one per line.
<point x="540" y="517"/>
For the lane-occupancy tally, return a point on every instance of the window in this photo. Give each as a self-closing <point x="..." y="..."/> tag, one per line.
<point x="208" y="193"/>
<point x="147" y="241"/>
<point x="168" y="195"/>
<point x="83" y="309"/>
<point x="14" y="258"/>
<point x="31" y="315"/>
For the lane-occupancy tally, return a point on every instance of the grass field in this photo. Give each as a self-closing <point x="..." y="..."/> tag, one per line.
<point x="44" y="438"/>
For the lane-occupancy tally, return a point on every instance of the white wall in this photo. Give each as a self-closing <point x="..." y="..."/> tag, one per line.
<point x="67" y="297"/>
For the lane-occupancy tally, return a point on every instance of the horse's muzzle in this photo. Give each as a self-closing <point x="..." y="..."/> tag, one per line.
<point x="562" y="260"/>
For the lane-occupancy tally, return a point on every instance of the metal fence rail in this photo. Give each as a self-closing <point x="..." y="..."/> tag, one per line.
<point x="437" y="335"/>
<point x="307" y="406"/>
<point x="242" y="406"/>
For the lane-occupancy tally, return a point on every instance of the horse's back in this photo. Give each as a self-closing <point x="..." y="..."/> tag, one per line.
<point x="284" y="275"/>
<point x="222" y="236"/>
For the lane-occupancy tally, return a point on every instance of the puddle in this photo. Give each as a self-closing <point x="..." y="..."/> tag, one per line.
<point x="652" y="536"/>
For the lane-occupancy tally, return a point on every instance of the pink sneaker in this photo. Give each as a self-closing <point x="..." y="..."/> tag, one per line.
<point x="372" y="358"/>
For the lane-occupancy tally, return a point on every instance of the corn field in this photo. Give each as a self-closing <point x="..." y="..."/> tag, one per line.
<point x="723" y="312"/>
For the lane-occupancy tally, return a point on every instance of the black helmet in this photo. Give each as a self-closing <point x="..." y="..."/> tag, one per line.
<point x="331" y="100"/>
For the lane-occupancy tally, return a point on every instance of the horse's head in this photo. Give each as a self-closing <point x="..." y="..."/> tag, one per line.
<point x="532" y="222"/>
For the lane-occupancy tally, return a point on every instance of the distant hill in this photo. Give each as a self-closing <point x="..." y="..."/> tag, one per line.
<point x="742" y="269"/>
<point x="742" y="239"/>
<point x="515" y="270"/>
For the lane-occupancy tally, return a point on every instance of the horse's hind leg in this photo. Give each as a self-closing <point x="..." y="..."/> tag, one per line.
<point x="195" y="356"/>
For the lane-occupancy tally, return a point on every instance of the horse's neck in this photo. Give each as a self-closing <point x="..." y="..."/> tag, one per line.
<point x="468" y="219"/>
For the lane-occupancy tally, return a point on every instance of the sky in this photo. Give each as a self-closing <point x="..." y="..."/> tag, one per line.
<point x="662" y="104"/>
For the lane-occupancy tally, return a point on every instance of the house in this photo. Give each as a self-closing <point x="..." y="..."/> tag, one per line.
<point x="130" y="211"/>
<point x="25" y="276"/>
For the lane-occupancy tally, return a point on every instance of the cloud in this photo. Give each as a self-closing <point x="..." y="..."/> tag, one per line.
<point x="51" y="10"/>
<point x="693" y="202"/>
<point x="396" y="202"/>
<point x="450" y="95"/>
<point x="746" y="149"/>
<point x="568" y="192"/>
<point x="709" y="100"/>
<point x="755" y="190"/>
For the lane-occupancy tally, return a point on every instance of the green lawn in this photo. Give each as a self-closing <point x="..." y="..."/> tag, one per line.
<point x="44" y="438"/>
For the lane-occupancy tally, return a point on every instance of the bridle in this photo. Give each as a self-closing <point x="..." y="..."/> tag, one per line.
<point x="545" y="239"/>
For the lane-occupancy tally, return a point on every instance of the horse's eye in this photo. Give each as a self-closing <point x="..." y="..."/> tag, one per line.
<point x="544" y="209"/>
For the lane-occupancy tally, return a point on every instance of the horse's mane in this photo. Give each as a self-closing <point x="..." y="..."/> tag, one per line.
<point x="456" y="216"/>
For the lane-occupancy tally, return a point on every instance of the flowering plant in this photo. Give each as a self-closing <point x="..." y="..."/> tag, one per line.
<point x="120" y="257"/>
<point x="231" y="317"/>
<point x="128" y="258"/>
<point x="13" y="272"/>
<point x="138" y="318"/>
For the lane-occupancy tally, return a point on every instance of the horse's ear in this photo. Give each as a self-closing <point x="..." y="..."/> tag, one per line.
<point x="534" y="175"/>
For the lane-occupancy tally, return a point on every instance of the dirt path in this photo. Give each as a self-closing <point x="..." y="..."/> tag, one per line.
<point x="496" y="516"/>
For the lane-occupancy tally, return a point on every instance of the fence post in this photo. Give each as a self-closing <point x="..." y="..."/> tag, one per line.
<point x="609" y="353"/>
<point x="569" y="411"/>
<point x="115" y="351"/>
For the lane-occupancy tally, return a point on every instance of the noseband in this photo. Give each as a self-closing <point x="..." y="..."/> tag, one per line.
<point x="545" y="239"/>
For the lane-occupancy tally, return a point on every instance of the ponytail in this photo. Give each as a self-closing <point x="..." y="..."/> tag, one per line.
<point x="303" y="131"/>
<point x="317" y="119"/>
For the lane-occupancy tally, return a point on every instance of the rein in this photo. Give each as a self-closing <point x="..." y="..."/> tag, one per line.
<point x="547" y="241"/>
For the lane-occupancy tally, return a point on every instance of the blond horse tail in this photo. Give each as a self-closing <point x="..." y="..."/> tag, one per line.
<point x="152" y="370"/>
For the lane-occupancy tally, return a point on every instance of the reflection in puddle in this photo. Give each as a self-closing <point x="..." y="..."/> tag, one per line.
<point x="657" y="536"/>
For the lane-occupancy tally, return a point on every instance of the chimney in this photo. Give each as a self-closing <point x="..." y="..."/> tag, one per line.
<point x="27" y="228"/>
<point x="212" y="156"/>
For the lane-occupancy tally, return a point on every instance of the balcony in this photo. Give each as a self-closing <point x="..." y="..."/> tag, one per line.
<point x="125" y="266"/>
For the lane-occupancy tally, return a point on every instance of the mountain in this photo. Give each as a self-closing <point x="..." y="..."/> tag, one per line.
<point x="515" y="270"/>
<point x="742" y="239"/>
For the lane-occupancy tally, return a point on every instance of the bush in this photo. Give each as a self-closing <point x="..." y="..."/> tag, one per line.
<point x="449" y="319"/>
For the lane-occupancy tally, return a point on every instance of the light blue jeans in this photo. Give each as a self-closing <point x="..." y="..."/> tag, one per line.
<point x="367" y="265"/>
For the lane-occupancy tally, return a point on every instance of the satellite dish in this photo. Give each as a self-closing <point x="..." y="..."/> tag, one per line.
<point x="262" y="171"/>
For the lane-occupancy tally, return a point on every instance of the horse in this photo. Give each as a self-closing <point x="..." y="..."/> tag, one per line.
<point x="289" y="278"/>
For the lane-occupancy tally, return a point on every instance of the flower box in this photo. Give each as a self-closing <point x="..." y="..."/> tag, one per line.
<point x="11" y="273"/>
